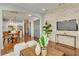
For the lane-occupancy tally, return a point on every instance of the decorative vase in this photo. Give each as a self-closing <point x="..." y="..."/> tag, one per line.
<point x="38" y="49"/>
<point x="44" y="51"/>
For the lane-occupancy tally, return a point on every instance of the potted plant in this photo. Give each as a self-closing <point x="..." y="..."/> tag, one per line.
<point x="47" y="30"/>
<point x="42" y="42"/>
<point x="44" y="39"/>
<point x="40" y="47"/>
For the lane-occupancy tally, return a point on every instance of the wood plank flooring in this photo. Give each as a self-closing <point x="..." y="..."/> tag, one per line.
<point x="10" y="46"/>
<point x="69" y="51"/>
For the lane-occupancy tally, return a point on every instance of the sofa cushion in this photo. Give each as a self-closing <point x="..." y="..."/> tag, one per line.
<point x="18" y="48"/>
<point x="31" y="43"/>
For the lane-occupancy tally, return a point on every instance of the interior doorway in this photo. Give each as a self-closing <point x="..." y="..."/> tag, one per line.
<point x="27" y="30"/>
<point x="37" y="30"/>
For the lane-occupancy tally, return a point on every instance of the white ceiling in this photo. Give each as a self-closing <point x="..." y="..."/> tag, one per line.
<point x="37" y="7"/>
<point x="30" y="7"/>
<point x="14" y="15"/>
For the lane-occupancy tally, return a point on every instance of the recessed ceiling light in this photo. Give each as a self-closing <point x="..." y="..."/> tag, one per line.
<point x="43" y="9"/>
<point x="29" y="15"/>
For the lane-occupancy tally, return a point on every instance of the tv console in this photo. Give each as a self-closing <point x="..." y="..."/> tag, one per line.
<point x="56" y="40"/>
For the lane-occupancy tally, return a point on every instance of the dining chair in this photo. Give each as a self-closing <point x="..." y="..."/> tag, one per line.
<point x="5" y="37"/>
<point x="16" y="37"/>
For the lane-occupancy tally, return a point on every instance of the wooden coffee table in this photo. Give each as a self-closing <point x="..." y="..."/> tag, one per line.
<point x="54" y="52"/>
<point x="50" y="52"/>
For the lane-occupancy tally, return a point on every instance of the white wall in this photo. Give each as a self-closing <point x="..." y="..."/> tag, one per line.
<point x="64" y="12"/>
<point x="32" y="28"/>
<point x="1" y="41"/>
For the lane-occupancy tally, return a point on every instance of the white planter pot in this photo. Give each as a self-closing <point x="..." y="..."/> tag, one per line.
<point x="44" y="52"/>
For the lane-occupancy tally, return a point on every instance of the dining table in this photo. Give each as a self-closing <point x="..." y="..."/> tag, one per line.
<point x="9" y="36"/>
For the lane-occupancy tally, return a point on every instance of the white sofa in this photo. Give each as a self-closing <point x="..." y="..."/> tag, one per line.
<point x="20" y="46"/>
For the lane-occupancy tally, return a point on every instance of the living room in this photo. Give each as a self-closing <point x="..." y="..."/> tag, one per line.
<point x="63" y="18"/>
<point x="64" y="13"/>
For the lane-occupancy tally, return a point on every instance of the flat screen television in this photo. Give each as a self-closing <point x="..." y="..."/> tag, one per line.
<point x="69" y="25"/>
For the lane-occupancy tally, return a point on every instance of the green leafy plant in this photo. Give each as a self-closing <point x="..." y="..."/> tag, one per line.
<point x="47" y="29"/>
<point x="42" y="41"/>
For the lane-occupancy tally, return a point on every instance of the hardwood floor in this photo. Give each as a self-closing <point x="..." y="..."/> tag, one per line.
<point x="68" y="50"/>
<point x="10" y="46"/>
